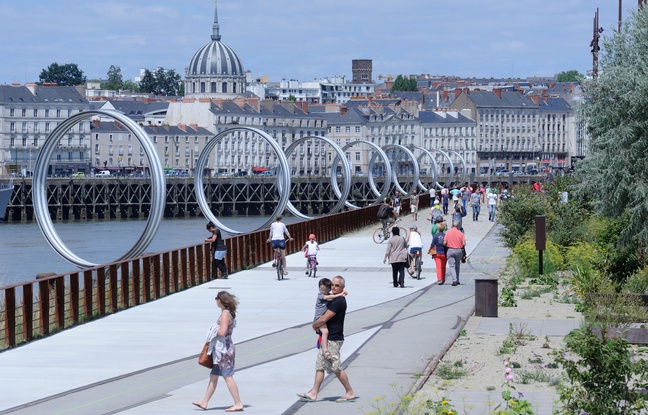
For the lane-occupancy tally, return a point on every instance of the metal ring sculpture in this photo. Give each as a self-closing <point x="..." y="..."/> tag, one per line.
<point x="388" y="174"/>
<point x="402" y="149"/>
<point x="283" y="177"/>
<point x="463" y="163"/>
<point x="158" y="187"/>
<point x="346" y="173"/>
<point x="435" y="175"/>
<point x="446" y="155"/>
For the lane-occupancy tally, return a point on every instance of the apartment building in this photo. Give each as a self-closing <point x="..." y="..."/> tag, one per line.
<point x="28" y="113"/>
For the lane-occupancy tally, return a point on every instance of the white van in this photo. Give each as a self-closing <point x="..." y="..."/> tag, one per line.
<point x="103" y="173"/>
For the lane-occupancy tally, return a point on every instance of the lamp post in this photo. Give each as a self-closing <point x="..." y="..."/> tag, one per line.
<point x="30" y="159"/>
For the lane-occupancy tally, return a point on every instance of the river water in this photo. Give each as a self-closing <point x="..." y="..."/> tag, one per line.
<point x="24" y="252"/>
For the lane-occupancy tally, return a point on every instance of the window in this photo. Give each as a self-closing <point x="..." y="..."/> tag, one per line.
<point x="35" y="113"/>
<point x="12" y="112"/>
<point x="357" y="156"/>
<point x="58" y="113"/>
<point x="357" y="129"/>
<point x="224" y="90"/>
<point x="24" y="112"/>
<point x="338" y="129"/>
<point x="46" y="113"/>
<point x="347" y="129"/>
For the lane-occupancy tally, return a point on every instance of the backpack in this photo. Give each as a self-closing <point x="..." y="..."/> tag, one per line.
<point x="383" y="212"/>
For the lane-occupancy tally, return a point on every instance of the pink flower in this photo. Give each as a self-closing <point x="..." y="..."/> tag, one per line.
<point x="508" y="370"/>
<point x="509" y="377"/>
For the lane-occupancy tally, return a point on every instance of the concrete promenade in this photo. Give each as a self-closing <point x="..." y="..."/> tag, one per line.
<point x="144" y="360"/>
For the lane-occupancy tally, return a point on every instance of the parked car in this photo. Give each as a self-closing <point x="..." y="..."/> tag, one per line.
<point x="266" y="174"/>
<point x="240" y="174"/>
<point x="102" y="173"/>
<point x="532" y="172"/>
<point x="78" y="174"/>
<point x="517" y="172"/>
<point x="502" y="172"/>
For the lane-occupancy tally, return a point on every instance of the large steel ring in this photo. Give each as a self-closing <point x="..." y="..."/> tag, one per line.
<point x="158" y="187"/>
<point x="434" y="170"/>
<point x="446" y="155"/>
<point x="283" y="177"/>
<point x="346" y="169"/>
<point x="388" y="174"/>
<point x="463" y="163"/>
<point x="400" y="150"/>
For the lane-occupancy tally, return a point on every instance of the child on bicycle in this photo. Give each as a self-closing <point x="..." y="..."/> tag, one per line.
<point x="323" y="297"/>
<point x="310" y="247"/>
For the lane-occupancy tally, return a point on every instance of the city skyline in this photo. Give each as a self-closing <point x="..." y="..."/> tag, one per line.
<point x="306" y="40"/>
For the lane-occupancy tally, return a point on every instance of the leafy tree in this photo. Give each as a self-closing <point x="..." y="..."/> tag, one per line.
<point x="404" y="83"/>
<point x="570" y="76"/>
<point x="63" y="75"/>
<point x="160" y="82"/>
<point x="615" y="171"/>
<point x="115" y="79"/>
<point x="130" y="85"/>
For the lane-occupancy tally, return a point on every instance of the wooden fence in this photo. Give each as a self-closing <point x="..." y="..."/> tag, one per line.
<point x="41" y="307"/>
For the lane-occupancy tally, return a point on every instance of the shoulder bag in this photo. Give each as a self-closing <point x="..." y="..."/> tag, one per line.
<point x="204" y="359"/>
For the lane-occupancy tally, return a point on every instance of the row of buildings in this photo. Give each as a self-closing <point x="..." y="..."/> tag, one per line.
<point x="481" y="124"/>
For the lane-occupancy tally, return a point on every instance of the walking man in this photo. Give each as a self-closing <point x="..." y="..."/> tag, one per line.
<point x="455" y="242"/>
<point x="414" y="202"/>
<point x="333" y="318"/>
<point x="475" y="201"/>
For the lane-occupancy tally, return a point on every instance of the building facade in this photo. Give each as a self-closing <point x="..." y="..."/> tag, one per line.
<point x="518" y="132"/>
<point x="28" y="114"/>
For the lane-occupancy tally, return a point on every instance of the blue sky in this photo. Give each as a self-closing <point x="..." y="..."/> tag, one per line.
<point x="305" y="39"/>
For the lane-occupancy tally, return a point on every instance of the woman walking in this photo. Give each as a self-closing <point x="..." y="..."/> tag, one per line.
<point x="397" y="254"/>
<point x="221" y="348"/>
<point x="440" y="258"/>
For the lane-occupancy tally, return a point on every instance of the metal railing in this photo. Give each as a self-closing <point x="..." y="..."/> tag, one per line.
<point x="38" y="308"/>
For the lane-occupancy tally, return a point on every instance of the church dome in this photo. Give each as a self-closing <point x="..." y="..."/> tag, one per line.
<point x="215" y="71"/>
<point x="215" y="58"/>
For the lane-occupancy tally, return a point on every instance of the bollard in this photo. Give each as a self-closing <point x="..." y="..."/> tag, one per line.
<point x="486" y="297"/>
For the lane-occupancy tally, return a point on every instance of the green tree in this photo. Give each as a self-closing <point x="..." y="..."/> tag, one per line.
<point x="570" y="76"/>
<point x="131" y="85"/>
<point x="63" y="75"/>
<point x="404" y="83"/>
<point x="115" y="79"/>
<point x="615" y="171"/>
<point x="160" y="82"/>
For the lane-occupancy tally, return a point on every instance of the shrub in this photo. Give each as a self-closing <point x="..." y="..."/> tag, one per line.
<point x="582" y="255"/>
<point x="527" y="255"/>
<point x="637" y="283"/>
<point x="603" y="377"/>
<point x="517" y="214"/>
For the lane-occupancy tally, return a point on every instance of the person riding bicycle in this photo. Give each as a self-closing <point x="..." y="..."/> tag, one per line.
<point x="310" y="247"/>
<point x="386" y="213"/>
<point x="415" y="244"/>
<point x="277" y="231"/>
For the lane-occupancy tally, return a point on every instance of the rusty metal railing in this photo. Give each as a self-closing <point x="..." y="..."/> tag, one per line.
<point x="38" y="308"/>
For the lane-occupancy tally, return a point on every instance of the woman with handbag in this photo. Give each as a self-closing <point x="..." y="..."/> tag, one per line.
<point x="221" y="349"/>
<point x="397" y="254"/>
<point x="437" y="249"/>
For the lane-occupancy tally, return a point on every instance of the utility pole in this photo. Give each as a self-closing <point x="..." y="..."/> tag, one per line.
<point x="594" y="44"/>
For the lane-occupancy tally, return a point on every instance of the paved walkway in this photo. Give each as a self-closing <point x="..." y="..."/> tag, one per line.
<point x="144" y="360"/>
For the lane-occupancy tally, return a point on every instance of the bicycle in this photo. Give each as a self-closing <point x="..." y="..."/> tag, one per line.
<point x="312" y="266"/>
<point x="278" y="264"/>
<point x="381" y="234"/>
<point x="418" y="265"/>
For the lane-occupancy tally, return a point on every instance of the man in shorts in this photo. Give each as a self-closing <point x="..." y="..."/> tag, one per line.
<point x="397" y="205"/>
<point x="414" y="202"/>
<point x="333" y="318"/>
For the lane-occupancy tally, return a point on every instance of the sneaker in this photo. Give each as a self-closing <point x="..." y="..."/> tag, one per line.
<point x="307" y="272"/>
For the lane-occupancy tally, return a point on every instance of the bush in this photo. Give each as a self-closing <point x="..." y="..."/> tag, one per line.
<point x="527" y="255"/>
<point x="637" y="283"/>
<point x="517" y="214"/>
<point x="604" y="378"/>
<point x="582" y="255"/>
